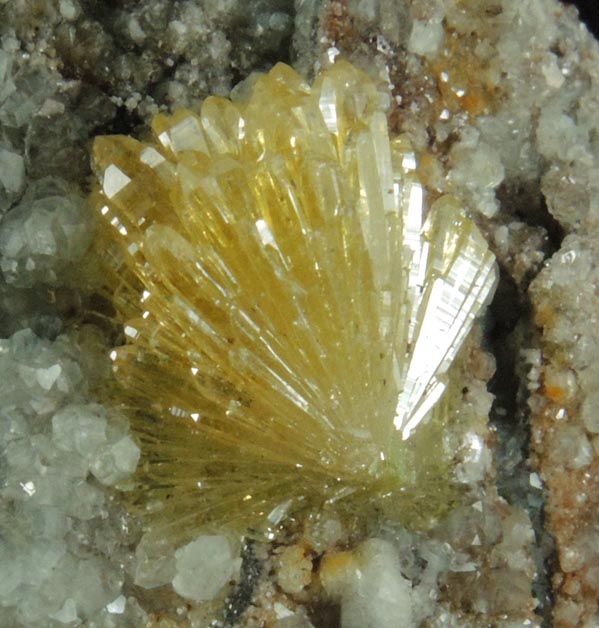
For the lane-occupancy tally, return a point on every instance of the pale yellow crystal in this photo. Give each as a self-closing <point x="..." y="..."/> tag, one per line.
<point x="290" y="312"/>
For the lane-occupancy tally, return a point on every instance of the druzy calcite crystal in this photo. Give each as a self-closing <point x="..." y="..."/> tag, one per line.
<point x="292" y="305"/>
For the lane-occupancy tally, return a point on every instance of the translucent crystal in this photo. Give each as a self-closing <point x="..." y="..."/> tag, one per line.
<point x="291" y="304"/>
<point x="370" y="586"/>
<point x="204" y="567"/>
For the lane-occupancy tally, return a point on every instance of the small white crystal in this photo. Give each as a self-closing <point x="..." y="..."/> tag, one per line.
<point x="571" y="447"/>
<point x="85" y="501"/>
<point x="372" y="589"/>
<point x="379" y="597"/>
<point x="47" y="377"/>
<point x="281" y="611"/>
<point x="117" y="461"/>
<point x="114" y="181"/>
<point x="11" y="573"/>
<point x="552" y="73"/>
<point x="12" y="171"/>
<point x="155" y="562"/>
<point x="29" y="488"/>
<point x="68" y="10"/>
<point x="81" y="428"/>
<point x="535" y="481"/>
<point x="590" y="412"/>
<point x="68" y="612"/>
<point x="559" y="137"/>
<point x="126" y="454"/>
<point x="426" y="37"/>
<point x="136" y="32"/>
<point x="51" y="107"/>
<point x="117" y="606"/>
<point x="204" y="567"/>
<point x="478" y="168"/>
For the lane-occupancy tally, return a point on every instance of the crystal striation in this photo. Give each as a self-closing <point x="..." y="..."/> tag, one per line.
<point x="292" y="304"/>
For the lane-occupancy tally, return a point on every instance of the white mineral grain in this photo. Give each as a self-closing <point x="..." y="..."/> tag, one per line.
<point x="379" y="597"/>
<point x="80" y="428"/>
<point x="117" y="606"/>
<point x="571" y="447"/>
<point x="560" y="137"/>
<point x="116" y="461"/>
<point x="426" y="37"/>
<point x="205" y="567"/>
<point x="67" y="613"/>
<point x="477" y="167"/>
<point x="68" y="9"/>
<point x="154" y="562"/>
<point x="589" y="412"/>
<point x="371" y="588"/>
<point x="12" y="172"/>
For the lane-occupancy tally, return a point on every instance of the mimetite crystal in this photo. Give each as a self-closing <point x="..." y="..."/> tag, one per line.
<point x="291" y="306"/>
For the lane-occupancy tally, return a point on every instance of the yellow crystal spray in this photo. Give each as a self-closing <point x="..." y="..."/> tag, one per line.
<point x="291" y="306"/>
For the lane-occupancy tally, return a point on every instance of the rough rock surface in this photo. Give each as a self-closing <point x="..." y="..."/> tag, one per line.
<point x="501" y="99"/>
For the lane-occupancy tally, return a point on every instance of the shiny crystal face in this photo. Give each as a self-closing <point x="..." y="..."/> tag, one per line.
<point x="292" y="307"/>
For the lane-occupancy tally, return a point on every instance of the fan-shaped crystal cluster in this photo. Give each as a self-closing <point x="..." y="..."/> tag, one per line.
<point x="290" y="312"/>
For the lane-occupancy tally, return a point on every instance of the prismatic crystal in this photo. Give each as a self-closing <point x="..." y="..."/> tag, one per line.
<point x="292" y="306"/>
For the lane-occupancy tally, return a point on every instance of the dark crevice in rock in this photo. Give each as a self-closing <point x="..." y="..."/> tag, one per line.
<point x="124" y="122"/>
<point x="244" y="34"/>
<point x="511" y="332"/>
<point x="508" y="414"/>
<point x="523" y="201"/>
<point x="325" y="615"/>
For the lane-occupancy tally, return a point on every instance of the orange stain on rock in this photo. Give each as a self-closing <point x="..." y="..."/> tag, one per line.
<point x="555" y="393"/>
<point x="464" y="80"/>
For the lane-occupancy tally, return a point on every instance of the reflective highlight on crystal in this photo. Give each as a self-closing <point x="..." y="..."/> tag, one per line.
<point x="291" y="308"/>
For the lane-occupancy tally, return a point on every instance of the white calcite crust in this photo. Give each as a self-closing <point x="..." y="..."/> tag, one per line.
<point x="50" y="505"/>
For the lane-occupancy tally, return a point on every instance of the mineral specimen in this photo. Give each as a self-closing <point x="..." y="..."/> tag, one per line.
<point x="292" y="305"/>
